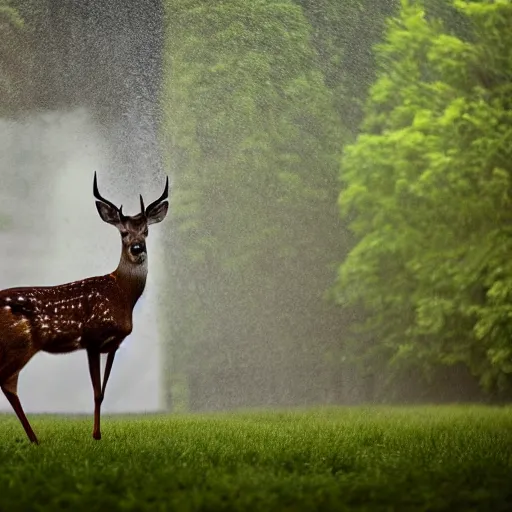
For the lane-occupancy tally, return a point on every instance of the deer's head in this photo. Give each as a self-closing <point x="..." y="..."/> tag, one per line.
<point x="133" y="229"/>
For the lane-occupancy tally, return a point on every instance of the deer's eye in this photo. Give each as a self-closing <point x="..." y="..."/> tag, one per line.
<point x="124" y="234"/>
<point x="146" y="233"/>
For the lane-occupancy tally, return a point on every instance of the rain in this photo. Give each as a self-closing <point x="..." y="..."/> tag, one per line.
<point x="326" y="319"/>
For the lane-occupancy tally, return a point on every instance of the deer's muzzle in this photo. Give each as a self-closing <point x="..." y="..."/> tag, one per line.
<point x="138" y="248"/>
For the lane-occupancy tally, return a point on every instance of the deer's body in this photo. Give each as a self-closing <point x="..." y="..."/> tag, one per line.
<point x="94" y="314"/>
<point x="65" y="318"/>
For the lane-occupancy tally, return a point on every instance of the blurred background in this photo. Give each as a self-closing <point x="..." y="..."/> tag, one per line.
<point x="339" y="228"/>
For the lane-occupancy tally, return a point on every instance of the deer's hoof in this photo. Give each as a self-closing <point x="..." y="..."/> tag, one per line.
<point x="96" y="435"/>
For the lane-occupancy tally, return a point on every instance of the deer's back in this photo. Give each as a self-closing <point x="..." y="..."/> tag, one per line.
<point x="64" y="318"/>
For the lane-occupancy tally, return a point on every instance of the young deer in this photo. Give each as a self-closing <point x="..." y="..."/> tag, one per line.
<point x="94" y="314"/>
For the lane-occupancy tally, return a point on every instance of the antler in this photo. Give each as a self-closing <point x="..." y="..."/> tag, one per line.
<point x="144" y="211"/>
<point x="98" y="196"/>
<point x="163" y="197"/>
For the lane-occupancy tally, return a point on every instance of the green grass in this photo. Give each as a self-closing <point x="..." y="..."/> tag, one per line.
<point x="424" y="458"/>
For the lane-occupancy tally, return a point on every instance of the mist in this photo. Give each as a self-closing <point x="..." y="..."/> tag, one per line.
<point x="266" y="287"/>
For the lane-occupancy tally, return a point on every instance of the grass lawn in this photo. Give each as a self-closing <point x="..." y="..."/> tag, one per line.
<point x="378" y="458"/>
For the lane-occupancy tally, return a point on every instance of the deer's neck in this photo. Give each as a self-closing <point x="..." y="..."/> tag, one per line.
<point x="131" y="277"/>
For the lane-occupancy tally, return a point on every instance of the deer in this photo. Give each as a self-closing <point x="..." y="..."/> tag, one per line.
<point x="94" y="314"/>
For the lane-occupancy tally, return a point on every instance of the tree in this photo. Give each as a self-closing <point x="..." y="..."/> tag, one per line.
<point x="427" y="192"/>
<point x="253" y="144"/>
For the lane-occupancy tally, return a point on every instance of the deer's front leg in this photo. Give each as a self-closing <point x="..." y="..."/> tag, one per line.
<point x="94" y="359"/>
<point x="106" y="375"/>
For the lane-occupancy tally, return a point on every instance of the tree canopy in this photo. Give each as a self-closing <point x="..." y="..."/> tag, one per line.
<point x="427" y="194"/>
<point x="253" y="142"/>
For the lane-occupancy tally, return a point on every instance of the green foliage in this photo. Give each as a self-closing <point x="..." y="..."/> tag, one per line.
<point x="9" y="16"/>
<point x="428" y="196"/>
<point x="327" y="459"/>
<point x="253" y="142"/>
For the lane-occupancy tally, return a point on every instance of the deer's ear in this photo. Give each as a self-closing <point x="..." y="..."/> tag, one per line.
<point x="158" y="213"/>
<point x="108" y="214"/>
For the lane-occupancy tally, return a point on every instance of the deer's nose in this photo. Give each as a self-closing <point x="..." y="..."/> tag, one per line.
<point x="137" y="249"/>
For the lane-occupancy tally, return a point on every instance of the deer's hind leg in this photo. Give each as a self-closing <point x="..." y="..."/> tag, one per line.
<point x="16" y="350"/>
<point x="10" y="389"/>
